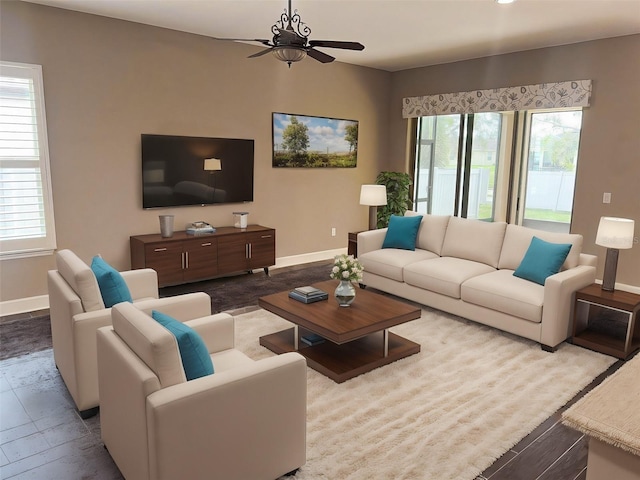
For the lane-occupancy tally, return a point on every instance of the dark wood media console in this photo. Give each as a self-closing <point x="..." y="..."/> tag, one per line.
<point x="186" y="258"/>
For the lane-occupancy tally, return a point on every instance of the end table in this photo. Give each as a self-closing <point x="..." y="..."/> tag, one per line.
<point x="352" y="246"/>
<point x="606" y="321"/>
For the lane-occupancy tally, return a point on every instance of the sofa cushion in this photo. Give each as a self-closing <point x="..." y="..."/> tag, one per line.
<point x="518" y="238"/>
<point x="113" y="288"/>
<point x="474" y="240"/>
<point x="81" y="279"/>
<point x="390" y="262"/>
<point x="150" y="341"/>
<point x="542" y="260"/>
<point x="193" y="351"/>
<point x="443" y="275"/>
<point x="503" y="292"/>
<point x="431" y="232"/>
<point x="402" y="232"/>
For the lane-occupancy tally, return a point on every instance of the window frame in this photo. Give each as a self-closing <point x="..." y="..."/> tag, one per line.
<point x="39" y="246"/>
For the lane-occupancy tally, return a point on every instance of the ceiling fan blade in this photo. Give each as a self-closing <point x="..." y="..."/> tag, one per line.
<point x="334" y="44"/>
<point x="320" y="56"/>
<point x="260" y="53"/>
<point x="259" y="40"/>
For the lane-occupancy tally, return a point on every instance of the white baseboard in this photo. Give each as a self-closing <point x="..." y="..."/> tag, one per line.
<point x="308" y="258"/>
<point x="623" y="286"/>
<point x="24" y="305"/>
<point x="41" y="302"/>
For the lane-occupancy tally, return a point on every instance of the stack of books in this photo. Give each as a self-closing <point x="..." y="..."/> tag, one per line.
<point x="308" y="294"/>
<point x="200" y="228"/>
<point x="312" y="339"/>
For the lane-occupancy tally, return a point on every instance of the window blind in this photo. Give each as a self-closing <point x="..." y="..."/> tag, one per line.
<point x="26" y="213"/>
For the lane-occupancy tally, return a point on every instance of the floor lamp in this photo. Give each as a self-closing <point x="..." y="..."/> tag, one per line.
<point x="213" y="165"/>
<point x="373" y="196"/>
<point x="613" y="233"/>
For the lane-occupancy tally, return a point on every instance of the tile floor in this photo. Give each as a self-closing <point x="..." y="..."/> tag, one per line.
<point x="41" y="434"/>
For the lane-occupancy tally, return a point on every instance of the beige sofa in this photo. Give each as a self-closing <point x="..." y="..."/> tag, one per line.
<point x="465" y="267"/>
<point x="247" y="420"/>
<point x="77" y="311"/>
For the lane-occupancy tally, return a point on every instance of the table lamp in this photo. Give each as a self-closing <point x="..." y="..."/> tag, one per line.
<point x="613" y="233"/>
<point x="373" y="196"/>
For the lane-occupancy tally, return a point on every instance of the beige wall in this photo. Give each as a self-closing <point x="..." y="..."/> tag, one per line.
<point x="107" y="81"/>
<point x="610" y="142"/>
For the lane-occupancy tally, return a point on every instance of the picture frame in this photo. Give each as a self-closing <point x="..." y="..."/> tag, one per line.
<point x="305" y="141"/>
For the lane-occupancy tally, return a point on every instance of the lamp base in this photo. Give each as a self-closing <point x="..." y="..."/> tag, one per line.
<point x="610" y="268"/>
<point x="373" y="218"/>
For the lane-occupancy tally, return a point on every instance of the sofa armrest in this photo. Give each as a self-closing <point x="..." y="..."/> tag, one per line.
<point x="142" y="283"/>
<point x="588" y="259"/>
<point x="217" y="331"/>
<point x="558" y="302"/>
<point x="245" y="407"/>
<point x="371" y="240"/>
<point x="181" y="307"/>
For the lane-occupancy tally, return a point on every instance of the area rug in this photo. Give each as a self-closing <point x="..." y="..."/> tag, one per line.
<point x="446" y="413"/>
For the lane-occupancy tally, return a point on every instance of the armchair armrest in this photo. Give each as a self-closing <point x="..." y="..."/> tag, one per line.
<point x="142" y="283"/>
<point x="181" y="307"/>
<point x="246" y="407"/>
<point x="371" y="240"/>
<point x="78" y="363"/>
<point x="217" y="331"/>
<point x="558" y="302"/>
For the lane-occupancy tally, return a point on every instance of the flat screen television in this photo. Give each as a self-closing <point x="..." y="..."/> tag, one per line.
<point x="181" y="171"/>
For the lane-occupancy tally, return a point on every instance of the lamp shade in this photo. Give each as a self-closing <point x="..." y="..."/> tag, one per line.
<point x="615" y="232"/>
<point x="373" y="195"/>
<point x="212" y="164"/>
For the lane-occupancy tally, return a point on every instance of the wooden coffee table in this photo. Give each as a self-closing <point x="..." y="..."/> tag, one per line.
<point x="357" y="339"/>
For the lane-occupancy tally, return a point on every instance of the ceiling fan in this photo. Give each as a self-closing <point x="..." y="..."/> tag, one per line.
<point x="290" y="42"/>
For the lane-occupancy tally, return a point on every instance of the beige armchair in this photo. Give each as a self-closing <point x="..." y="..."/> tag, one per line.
<point x="247" y="420"/>
<point x="77" y="311"/>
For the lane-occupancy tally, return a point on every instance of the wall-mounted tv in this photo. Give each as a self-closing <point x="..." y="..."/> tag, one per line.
<point x="180" y="171"/>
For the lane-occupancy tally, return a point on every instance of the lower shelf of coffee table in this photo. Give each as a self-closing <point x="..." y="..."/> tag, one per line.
<point x="342" y="362"/>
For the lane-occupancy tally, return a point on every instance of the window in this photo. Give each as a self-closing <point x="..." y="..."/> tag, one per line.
<point x="465" y="165"/>
<point x="458" y="158"/>
<point x="549" y="169"/>
<point x="26" y="207"/>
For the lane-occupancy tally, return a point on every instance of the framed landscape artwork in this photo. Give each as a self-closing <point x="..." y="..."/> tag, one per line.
<point x="304" y="141"/>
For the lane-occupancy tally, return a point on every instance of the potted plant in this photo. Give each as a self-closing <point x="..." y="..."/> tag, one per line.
<point x="398" y="195"/>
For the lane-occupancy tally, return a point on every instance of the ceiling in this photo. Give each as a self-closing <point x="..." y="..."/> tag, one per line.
<point x="397" y="34"/>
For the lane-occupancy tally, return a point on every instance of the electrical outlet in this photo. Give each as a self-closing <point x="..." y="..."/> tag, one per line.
<point x="606" y="197"/>
<point x="333" y="232"/>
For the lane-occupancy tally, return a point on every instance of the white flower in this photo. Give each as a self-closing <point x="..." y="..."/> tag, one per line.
<point x="346" y="267"/>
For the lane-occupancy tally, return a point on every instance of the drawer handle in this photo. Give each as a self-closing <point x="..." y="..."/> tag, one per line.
<point x="159" y="249"/>
<point x="208" y="244"/>
<point x="266" y="236"/>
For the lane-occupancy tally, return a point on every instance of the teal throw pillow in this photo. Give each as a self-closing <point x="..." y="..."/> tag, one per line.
<point x="402" y="232"/>
<point x="112" y="286"/>
<point x="196" y="360"/>
<point x="542" y="260"/>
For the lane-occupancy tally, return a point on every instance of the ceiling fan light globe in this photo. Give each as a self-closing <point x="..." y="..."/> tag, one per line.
<point x="289" y="54"/>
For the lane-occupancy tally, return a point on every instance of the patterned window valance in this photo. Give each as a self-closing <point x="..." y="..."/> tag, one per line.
<point x="576" y="93"/>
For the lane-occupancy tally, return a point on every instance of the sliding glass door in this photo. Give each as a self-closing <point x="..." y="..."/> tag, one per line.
<point x="549" y="169"/>
<point x="457" y="160"/>
<point x="509" y="166"/>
